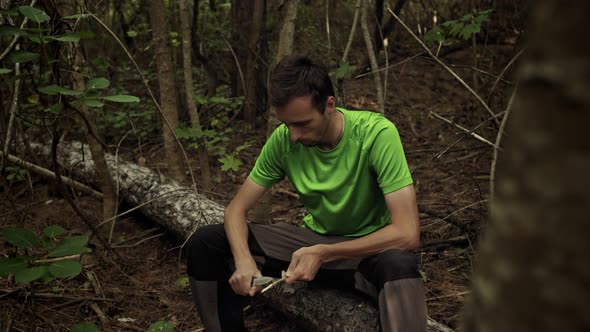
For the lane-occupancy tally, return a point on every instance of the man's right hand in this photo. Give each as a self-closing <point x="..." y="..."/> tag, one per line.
<point x="241" y="280"/>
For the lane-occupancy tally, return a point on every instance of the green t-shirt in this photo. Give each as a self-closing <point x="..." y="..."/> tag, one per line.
<point x="343" y="189"/>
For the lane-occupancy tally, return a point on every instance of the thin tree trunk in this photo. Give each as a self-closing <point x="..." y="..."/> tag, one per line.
<point x="533" y="264"/>
<point x="286" y="38"/>
<point x="167" y="88"/>
<point x="188" y="92"/>
<point x="212" y="78"/>
<point x="253" y="64"/>
<point x="74" y="56"/>
<point x="371" y="54"/>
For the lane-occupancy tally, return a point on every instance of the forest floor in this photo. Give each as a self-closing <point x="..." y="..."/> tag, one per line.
<point x="142" y="279"/>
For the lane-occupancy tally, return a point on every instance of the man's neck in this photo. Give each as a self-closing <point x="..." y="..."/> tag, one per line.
<point x="335" y="132"/>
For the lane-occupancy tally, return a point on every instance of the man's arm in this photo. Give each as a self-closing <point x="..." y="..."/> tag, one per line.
<point x="402" y="233"/>
<point x="236" y="229"/>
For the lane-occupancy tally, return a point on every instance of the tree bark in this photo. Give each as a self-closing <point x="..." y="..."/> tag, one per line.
<point x="188" y="92"/>
<point x="372" y="58"/>
<point x="181" y="211"/>
<point x="254" y="99"/>
<point x="167" y="88"/>
<point x="533" y="264"/>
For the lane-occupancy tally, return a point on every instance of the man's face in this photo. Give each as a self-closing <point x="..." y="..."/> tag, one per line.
<point x="307" y="125"/>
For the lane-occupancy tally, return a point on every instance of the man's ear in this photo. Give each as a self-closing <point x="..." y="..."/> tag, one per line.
<point x="330" y="104"/>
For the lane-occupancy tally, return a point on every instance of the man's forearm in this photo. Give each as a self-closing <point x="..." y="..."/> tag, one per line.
<point x="389" y="237"/>
<point x="236" y="229"/>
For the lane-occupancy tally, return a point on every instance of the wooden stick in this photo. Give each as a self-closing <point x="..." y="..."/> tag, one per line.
<point x="56" y="259"/>
<point x="49" y="174"/>
<point x="476" y="136"/>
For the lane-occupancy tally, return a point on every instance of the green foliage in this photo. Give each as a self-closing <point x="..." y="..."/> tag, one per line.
<point x="15" y="174"/>
<point x="34" y="14"/>
<point x="25" y="268"/>
<point x="344" y="70"/>
<point x="54" y="95"/>
<point x="182" y="282"/>
<point x="85" y="327"/>
<point x="161" y="326"/>
<point x="463" y="28"/>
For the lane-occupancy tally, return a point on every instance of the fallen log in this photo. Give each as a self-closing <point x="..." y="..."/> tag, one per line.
<point x="181" y="210"/>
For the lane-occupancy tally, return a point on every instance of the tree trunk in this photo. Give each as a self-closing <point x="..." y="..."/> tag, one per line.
<point x="77" y="64"/>
<point x="372" y="58"/>
<point x="241" y="22"/>
<point x="181" y="211"/>
<point x="212" y="77"/>
<point x="285" y="47"/>
<point x="533" y="264"/>
<point x="188" y="92"/>
<point x="167" y="88"/>
<point x="254" y="99"/>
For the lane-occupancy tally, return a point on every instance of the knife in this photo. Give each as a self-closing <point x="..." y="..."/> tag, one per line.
<point x="261" y="281"/>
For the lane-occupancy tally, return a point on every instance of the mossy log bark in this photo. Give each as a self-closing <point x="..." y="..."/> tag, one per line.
<point x="181" y="210"/>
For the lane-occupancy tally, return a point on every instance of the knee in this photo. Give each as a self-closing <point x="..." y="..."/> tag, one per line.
<point x="205" y="237"/>
<point x="396" y="264"/>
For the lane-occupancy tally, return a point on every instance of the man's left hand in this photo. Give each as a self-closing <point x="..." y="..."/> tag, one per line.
<point x="305" y="263"/>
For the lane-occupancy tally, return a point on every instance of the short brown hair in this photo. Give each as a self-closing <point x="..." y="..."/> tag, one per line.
<point x="298" y="76"/>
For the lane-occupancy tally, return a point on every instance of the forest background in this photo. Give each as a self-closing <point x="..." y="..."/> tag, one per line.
<point x="180" y="87"/>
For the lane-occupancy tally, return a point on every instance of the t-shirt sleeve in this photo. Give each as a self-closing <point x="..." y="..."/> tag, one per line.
<point x="269" y="166"/>
<point x="388" y="159"/>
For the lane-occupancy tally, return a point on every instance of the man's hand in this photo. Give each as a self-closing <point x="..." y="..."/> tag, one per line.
<point x="305" y="263"/>
<point x="241" y="280"/>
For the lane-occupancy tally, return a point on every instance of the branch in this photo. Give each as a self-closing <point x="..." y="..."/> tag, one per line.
<point x="49" y="174"/>
<point x="17" y="36"/>
<point x="497" y="147"/>
<point x="476" y="136"/>
<point x="13" y="110"/>
<point x="483" y="103"/>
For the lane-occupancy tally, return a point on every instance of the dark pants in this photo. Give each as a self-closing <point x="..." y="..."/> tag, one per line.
<point x="392" y="277"/>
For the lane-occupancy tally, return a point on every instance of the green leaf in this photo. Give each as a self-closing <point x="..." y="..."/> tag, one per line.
<point x="98" y="83"/>
<point x="30" y="274"/>
<point x="131" y="34"/>
<point x="161" y="327"/>
<point x="55" y="109"/>
<point x="182" y="282"/>
<point x="23" y="56"/>
<point x="8" y="30"/>
<point x="68" y="37"/>
<point x="77" y="16"/>
<point x="21" y="237"/>
<point x="65" y="268"/>
<point x="47" y="278"/>
<point x="11" y="12"/>
<point x="344" y="69"/>
<point x="70" y="246"/>
<point x="55" y="89"/>
<point x="5" y="71"/>
<point x="66" y="251"/>
<point x="122" y="98"/>
<point x="34" y="14"/>
<point x="230" y="162"/>
<point x="85" y="327"/>
<point x="53" y="231"/>
<point x="93" y="103"/>
<point x="13" y="265"/>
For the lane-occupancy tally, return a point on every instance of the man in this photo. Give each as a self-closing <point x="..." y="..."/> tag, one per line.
<point x="350" y="171"/>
